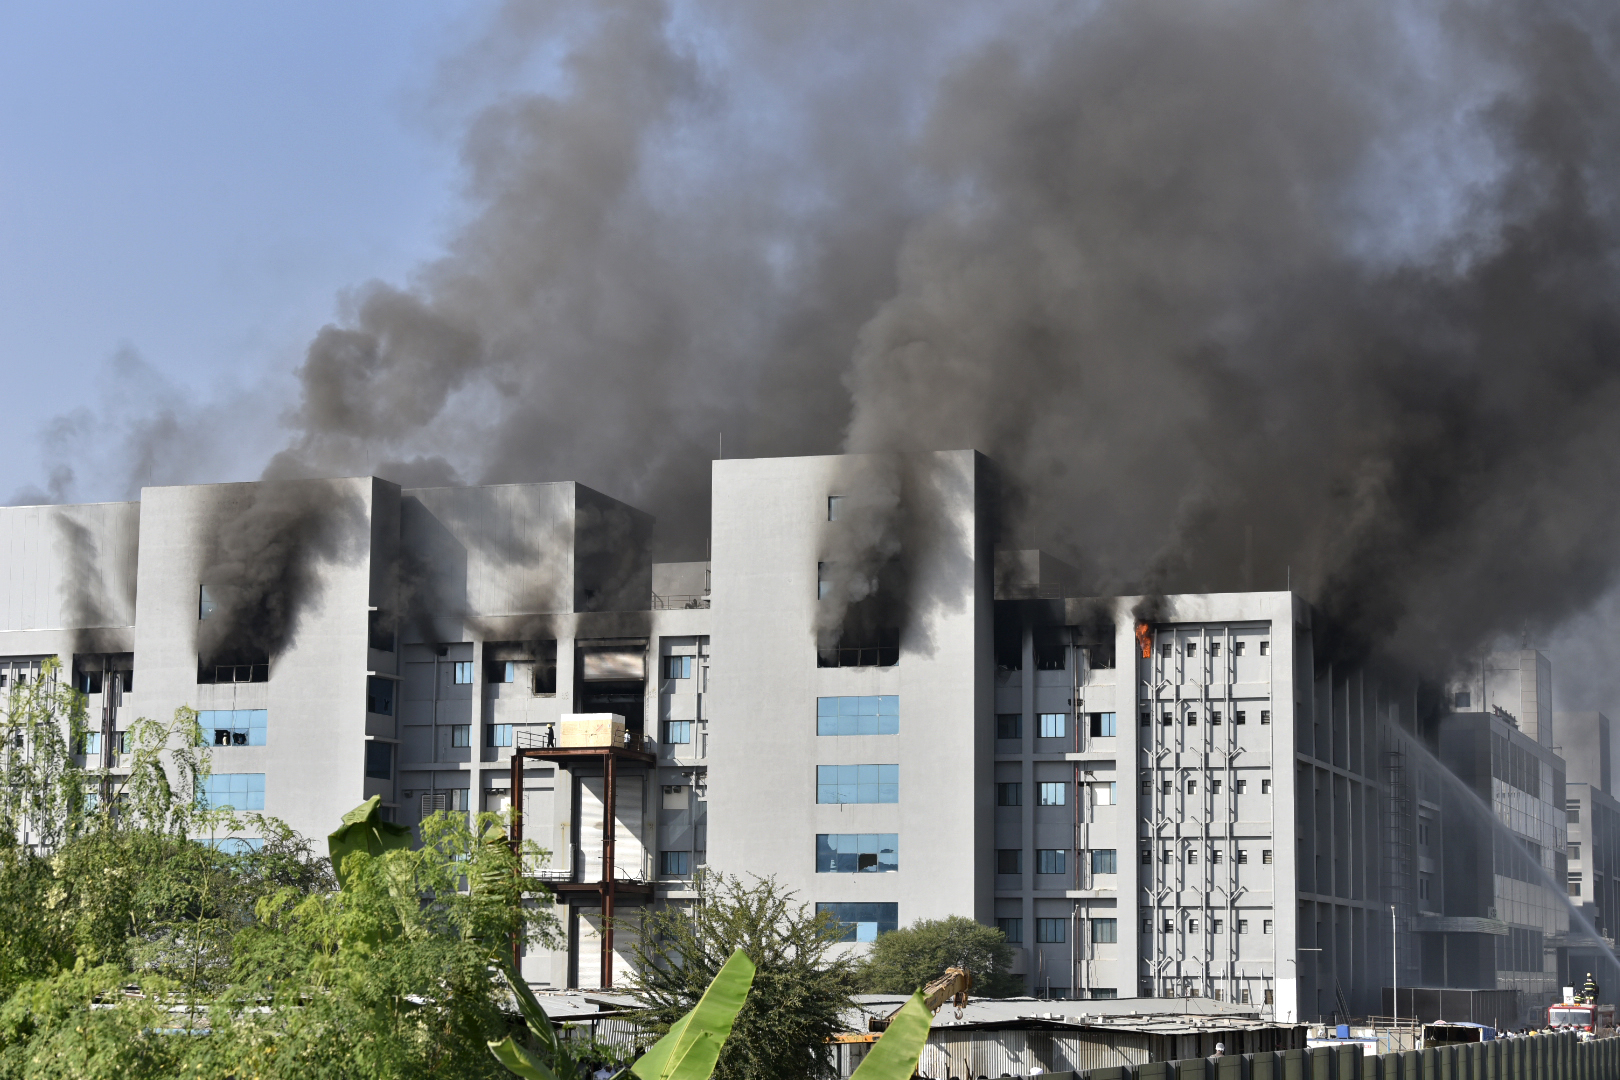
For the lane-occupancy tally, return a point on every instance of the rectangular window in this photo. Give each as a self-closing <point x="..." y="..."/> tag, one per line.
<point x="1051" y="931"/>
<point x="1053" y="794"/>
<point x="1243" y="855"/>
<point x="871" y="715"/>
<point x="1214" y="648"/>
<point x="1265" y="927"/>
<point x="379" y="695"/>
<point x="1051" y="861"/>
<point x="1147" y="717"/>
<point x="234" y="727"/>
<point x="1214" y="787"/>
<point x="863" y="922"/>
<point x="1192" y="786"/>
<point x="205" y="602"/>
<point x="379" y="760"/>
<point x="464" y="673"/>
<point x="1242" y="785"/>
<point x="677" y="667"/>
<point x="1168" y="719"/>
<point x="1012" y="930"/>
<point x="1243" y="926"/>
<point x="857" y="784"/>
<point x="835" y="507"/>
<point x="1243" y="997"/>
<point x="1010" y="860"/>
<point x="1271" y="997"/>
<point x="90" y="746"/>
<point x="1009" y="725"/>
<point x="1575" y="851"/>
<point x="1265" y="648"/>
<point x="1169" y="926"/>
<point x="1240" y="717"/>
<point x="1192" y="648"/>
<point x="857" y="853"/>
<point x="1192" y="856"/>
<point x="1192" y="926"/>
<point x="674" y="863"/>
<point x="1265" y="856"/>
<point x="1265" y="787"/>
<point x="1574" y="884"/>
<point x="460" y="735"/>
<point x="1009" y="794"/>
<point x="1217" y="856"/>
<point x="1265" y="716"/>
<point x="238" y="791"/>
<point x="1104" y="931"/>
<point x="1147" y="856"/>
<point x="1167" y="787"/>
<point x="499" y="735"/>
<point x="1572" y="812"/>
<point x="1237" y="648"/>
<point x="823" y="582"/>
<point x="500" y="671"/>
<point x="1104" y="793"/>
<point x="1215" y="717"/>
<point x="1216" y="926"/>
<point x="1104" y="861"/>
<point x="1053" y="725"/>
<point x="1103" y="725"/>
<point x="1164" y="650"/>
<point x="678" y="731"/>
<point x="1104" y="993"/>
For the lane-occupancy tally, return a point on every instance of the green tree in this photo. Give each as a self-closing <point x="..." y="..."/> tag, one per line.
<point x="903" y="960"/>
<point x="802" y="983"/>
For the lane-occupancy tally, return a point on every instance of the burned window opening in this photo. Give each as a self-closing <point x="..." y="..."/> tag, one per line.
<point x="380" y="631"/>
<point x="246" y="665"/>
<point x="881" y="649"/>
<point x="1051" y="648"/>
<point x="611" y="677"/>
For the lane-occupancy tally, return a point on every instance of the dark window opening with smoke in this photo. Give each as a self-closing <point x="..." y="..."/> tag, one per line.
<point x="880" y="649"/>
<point x="545" y="667"/>
<point x="1009" y="647"/>
<point x="380" y="695"/>
<point x="380" y="631"/>
<point x="1051" y="649"/>
<point x="1099" y="654"/>
<point x="94" y="673"/>
<point x="612" y="677"/>
<point x="205" y="603"/>
<point x="237" y="666"/>
<point x="500" y="671"/>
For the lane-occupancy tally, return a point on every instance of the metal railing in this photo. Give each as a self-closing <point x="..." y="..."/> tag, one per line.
<point x="676" y="601"/>
<point x="547" y="740"/>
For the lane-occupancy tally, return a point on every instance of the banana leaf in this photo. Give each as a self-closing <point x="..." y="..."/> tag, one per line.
<point x="521" y="1061"/>
<point x="896" y="1053"/>
<point x="535" y="1016"/>
<point x="363" y="829"/>
<point x="692" y="1046"/>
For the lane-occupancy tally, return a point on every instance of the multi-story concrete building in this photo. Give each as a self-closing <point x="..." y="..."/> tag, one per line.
<point x="857" y="694"/>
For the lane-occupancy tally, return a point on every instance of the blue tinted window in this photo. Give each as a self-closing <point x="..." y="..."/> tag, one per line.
<point x="1051" y="861"/>
<point x="857" y="853"/>
<point x="239" y="791"/>
<point x="857" y="783"/>
<point x="234" y="727"/>
<point x="1053" y="725"/>
<point x="677" y="731"/>
<point x="863" y="922"/>
<point x="875" y="714"/>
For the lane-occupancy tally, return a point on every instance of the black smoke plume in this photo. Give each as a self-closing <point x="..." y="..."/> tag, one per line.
<point x="263" y="572"/>
<point x="1235" y="294"/>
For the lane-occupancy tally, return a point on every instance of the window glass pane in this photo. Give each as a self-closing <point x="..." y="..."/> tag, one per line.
<point x="1012" y="930"/>
<point x="1053" y="794"/>
<point x="863" y="715"/>
<point x="852" y="853"/>
<point x="1104" y="861"/>
<point x="1104" y="931"/>
<point x="1052" y="725"/>
<point x="863" y="921"/>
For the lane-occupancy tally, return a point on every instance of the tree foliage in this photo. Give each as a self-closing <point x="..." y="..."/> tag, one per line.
<point x="802" y="982"/>
<point x="903" y="960"/>
<point x="142" y="936"/>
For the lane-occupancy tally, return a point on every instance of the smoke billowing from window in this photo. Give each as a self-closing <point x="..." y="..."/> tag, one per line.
<point x="1232" y="292"/>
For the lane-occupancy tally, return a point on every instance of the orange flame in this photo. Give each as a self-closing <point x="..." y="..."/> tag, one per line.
<point x="1144" y="638"/>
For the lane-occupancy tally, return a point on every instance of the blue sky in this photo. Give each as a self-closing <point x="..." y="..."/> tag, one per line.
<point x="195" y="183"/>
